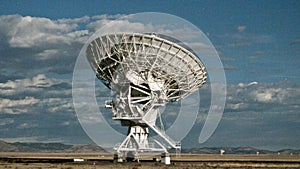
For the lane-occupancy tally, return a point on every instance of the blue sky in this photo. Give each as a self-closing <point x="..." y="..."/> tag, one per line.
<point x="258" y="41"/>
<point x="271" y="29"/>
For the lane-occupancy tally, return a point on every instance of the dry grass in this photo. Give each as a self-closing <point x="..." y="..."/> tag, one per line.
<point x="141" y="166"/>
<point x="96" y="161"/>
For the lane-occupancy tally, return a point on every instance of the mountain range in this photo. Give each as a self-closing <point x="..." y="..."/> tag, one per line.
<point x="65" y="148"/>
<point x="49" y="147"/>
<point x="237" y="150"/>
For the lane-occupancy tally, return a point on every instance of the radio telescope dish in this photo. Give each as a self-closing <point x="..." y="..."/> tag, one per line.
<point x="144" y="72"/>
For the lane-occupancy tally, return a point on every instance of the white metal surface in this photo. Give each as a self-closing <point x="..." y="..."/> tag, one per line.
<point x="147" y="59"/>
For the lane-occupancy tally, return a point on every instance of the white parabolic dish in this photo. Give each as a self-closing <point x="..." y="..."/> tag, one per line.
<point x="134" y="55"/>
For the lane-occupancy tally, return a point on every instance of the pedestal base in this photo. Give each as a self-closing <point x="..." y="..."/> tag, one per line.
<point x="118" y="158"/>
<point x="165" y="158"/>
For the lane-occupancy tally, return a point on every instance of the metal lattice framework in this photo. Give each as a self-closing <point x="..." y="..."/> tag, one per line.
<point x="181" y="70"/>
<point x="144" y="71"/>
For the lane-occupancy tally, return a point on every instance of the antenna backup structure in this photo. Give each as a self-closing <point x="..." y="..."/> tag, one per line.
<point x="144" y="72"/>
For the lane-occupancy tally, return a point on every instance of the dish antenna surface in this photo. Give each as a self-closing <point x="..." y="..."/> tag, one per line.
<point x="144" y="72"/>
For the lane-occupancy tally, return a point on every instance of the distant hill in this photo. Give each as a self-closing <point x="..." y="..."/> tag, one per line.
<point x="64" y="148"/>
<point x="289" y="151"/>
<point x="237" y="150"/>
<point x="48" y="147"/>
<point x="228" y="150"/>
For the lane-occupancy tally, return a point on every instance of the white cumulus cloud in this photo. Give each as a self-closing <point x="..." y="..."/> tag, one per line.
<point x="240" y="29"/>
<point x="36" y="32"/>
<point x="270" y="95"/>
<point x="36" y="83"/>
<point x="17" y="106"/>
